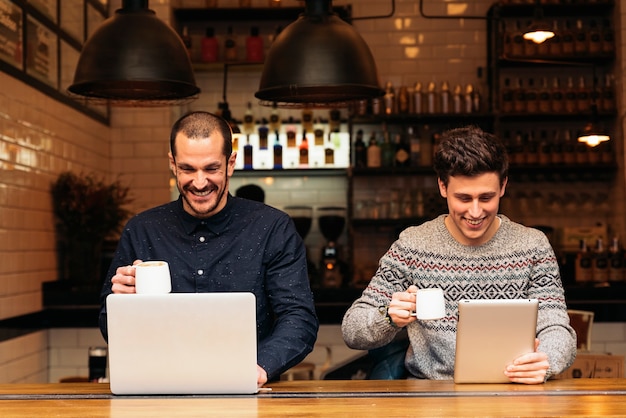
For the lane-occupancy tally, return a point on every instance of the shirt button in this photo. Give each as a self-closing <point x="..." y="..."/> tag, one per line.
<point x="202" y="239"/>
<point x="200" y="272"/>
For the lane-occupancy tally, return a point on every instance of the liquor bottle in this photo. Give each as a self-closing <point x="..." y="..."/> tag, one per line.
<point x="582" y="152"/>
<point x="209" y="46"/>
<point x="616" y="262"/>
<point x="517" y="150"/>
<point x="517" y="38"/>
<point x="608" y="38"/>
<point x="254" y="46"/>
<point x="530" y="47"/>
<point x="444" y="98"/>
<point x="554" y="44"/>
<point x="507" y="30"/>
<point x="307" y="120"/>
<point x="581" y="41"/>
<point x="570" y="96"/>
<point x="556" y="150"/>
<point x="507" y="97"/>
<point x="389" y="99"/>
<point x="470" y="102"/>
<point x="544" y="102"/>
<point x="545" y="148"/>
<point x="387" y="153"/>
<point x="519" y="96"/>
<point x="304" y="151"/>
<point x="291" y="131"/>
<point x="584" y="264"/>
<point x="373" y="152"/>
<point x="431" y="98"/>
<point x="607" y="95"/>
<point x="557" y="98"/>
<point x="360" y="151"/>
<point x="595" y="38"/>
<point x="275" y="121"/>
<point x="248" y="120"/>
<point x="403" y="151"/>
<point x="403" y="100"/>
<point x="247" y="155"/>
<point x="263" y="136"/>
<point x="230" y="46"/>
<point x="334" y="120"/>
<point x="414" y="147"/>
<point x="569" y="147"/>
<point x="329" y="151"/>
<point x="457" y="100"/>
<point x="582" y="96"/>
<point x="318" y="133"/>
<point x="600" y="263"/>
<point x="531" y="149"/>
<point x="278" y="153"/>
<point x="567" y="40"/>
<point x="418" y="99"/>
<point x="531" y="97"/>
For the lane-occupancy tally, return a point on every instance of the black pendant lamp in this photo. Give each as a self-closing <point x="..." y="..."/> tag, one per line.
<point x="318" y="61"/>
<point x="135" y="59"/>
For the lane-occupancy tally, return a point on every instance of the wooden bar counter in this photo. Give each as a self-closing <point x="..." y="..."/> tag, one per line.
<point x="358" y="398"/>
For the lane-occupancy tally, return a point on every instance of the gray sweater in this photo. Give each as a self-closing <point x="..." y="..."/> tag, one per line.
<point x="518" y="262"/>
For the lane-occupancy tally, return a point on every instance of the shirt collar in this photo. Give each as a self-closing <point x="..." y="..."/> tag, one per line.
<point x="216" y="223"/>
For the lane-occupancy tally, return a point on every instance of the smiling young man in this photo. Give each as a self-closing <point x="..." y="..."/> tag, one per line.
<point x="215" y="242"/>
<point x="471" y="253"/>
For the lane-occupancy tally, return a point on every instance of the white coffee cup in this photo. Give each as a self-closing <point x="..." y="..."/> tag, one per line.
<point x="153" y="277"/>
<point x="430" y="304"/>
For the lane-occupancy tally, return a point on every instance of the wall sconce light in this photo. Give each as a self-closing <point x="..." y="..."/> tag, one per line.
<point x="592" y="133"/>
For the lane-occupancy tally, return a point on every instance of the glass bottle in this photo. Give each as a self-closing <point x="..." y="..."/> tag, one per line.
<point x="386" y="150"/>
<point x="263" y="136"/>
<point x="507" y="97"/>
<point x="570" y="96"/>
<point x="608" y="38"/>
<point x="581" y="41"/>
<point x="607" y="95"/>
<point x="318" y="133"/>
<point x="418" y="98"/>
<point x="359" y="159"/>
<point x="457" y="100"/>
<point x="230" y="46"/>
<point x="414" y="146"/>
<point x="444" y="98"/>
<point x="403" y="100"/>
<point x="517" y="49"/>
<point x="569" y="147"/>
<point x="304" y="151"/>
<point x="431" y="98"/>
<point x="247" y="155"/>
<point x="616" y="262"/>
<point x="554" y="44"/>
<point x="557" y="97"/>
<point x="582" y="96"/>
<point x="403" y="151"/>
<point x="389" y="99"/>
<point x="209" y="46"/>
<point x="595" y="38"/>
<point x="278" y="152"/>
<point x="567" y="40"/>
<point x="519" y="96"/>
<point x="531" y="97"/>
<point x="307" y="120"/>
<point x="275" y="121"/>
<point x="290" y="131"/>
<point x="248" y="120"/>
<point x="254" y="46"/>
<point x="373" y="152"/>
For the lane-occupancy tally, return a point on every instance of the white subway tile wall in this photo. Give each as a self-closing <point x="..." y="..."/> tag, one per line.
<point x="39" y="138"/>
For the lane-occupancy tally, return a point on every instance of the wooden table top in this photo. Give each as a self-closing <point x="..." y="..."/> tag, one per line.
<point x="361" y="398"/>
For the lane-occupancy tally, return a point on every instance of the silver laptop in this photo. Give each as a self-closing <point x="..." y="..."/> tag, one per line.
<point x="490" y="335"/>
<point x="182" y="343"/>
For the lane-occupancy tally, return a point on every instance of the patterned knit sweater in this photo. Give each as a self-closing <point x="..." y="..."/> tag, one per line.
<point x="518" y="262"/>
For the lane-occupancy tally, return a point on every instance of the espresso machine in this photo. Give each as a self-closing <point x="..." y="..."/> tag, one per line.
<point x="332" y="221"/>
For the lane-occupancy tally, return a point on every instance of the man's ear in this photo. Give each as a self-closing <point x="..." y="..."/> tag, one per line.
<point x="443" y="191"/>
<point x="172" y="163"/>
<point x="503" y="187"/>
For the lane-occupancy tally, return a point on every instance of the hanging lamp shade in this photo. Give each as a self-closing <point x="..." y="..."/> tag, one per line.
<point x="318" y="61"/>
<point x="135" y="58"/>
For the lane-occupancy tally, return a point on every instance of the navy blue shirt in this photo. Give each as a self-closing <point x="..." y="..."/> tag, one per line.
<point x="248" y="246"/>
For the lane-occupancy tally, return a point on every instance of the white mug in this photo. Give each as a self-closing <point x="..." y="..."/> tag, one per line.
<point x="153" y="277"/>
<point x="430" y="304"/>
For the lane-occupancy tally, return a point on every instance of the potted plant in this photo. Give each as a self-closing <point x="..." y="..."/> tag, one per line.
<point x="87" y="211"/>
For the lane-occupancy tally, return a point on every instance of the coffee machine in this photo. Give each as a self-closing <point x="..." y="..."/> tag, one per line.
<point x="332" y="221"/>
<point x="302" y="217"/>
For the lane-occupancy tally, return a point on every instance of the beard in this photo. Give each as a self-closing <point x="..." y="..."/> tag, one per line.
<point x="204" y="209"/>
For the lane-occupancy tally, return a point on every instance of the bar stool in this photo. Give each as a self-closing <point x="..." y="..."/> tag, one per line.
<point x="581" y="321"/>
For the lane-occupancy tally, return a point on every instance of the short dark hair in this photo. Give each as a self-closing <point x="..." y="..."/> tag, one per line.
<point x="469" y="151"/>
<point x="196" y="125"/>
